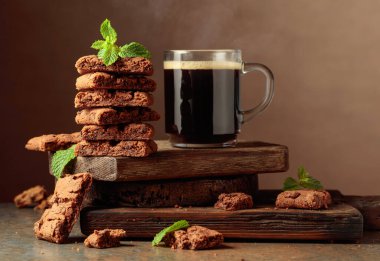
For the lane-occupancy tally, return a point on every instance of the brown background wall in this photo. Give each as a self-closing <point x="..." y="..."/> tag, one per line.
<point x="324" y="54"/>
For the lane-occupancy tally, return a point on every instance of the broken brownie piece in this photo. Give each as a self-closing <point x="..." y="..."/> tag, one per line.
<point x="304" y="199"/>
<point x="30" y="197"/>
<point x="132" y="131"/>
<point x="102" y="80"/>
<point x="110" y="116"/>
<point x="234" y="201"/>
<point x="53" y="142"/>
<point x="194" y="238"/>
<point x="105" y="238"/>
<point x="128" y="65"/>
<point x="57" y="221"/>
<point x="118" y="149"/>
<point x="106" y="98"/>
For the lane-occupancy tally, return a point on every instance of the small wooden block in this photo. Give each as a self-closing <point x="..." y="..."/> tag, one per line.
<point x="340" y="222"/>
<point x="176" y="163"/>
<point x="168" y="193"/>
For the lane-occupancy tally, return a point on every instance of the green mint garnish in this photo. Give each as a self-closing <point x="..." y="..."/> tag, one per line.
<point x="304" y="181"/>
<point x="176" y="226"/>
<point x="109" y="52"/>
<point x="60" y="159"/>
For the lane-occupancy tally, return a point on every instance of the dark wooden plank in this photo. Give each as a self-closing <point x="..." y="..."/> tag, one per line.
<point x="340" y="222"/>
<point x="369" y="206"/>
<point x="168" y="193"/>
<point x="175" y="163"/>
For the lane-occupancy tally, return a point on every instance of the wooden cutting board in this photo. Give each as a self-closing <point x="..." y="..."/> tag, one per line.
<point x="176" y="163"/>
<point x="339" y="222"/>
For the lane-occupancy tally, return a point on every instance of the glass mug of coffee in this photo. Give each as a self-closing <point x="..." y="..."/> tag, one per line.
<point x="202" y="96"/>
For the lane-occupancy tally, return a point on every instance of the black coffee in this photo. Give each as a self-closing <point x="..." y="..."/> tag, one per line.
<point x="201" y="105"/>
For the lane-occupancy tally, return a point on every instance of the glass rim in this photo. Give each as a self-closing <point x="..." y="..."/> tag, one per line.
<point x="202" y="51"/>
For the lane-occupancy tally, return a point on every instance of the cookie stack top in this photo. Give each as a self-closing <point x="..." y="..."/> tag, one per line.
<point x="113" y="103"/>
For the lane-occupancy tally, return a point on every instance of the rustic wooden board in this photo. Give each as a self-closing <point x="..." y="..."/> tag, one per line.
<point x="369" y="206"/>
<point x="340" y="222"/>
<point x="168" y="193"/>
<point x="176" y="163"/>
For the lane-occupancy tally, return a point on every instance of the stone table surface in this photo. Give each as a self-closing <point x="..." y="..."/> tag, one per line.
<point x="17" y="242"/>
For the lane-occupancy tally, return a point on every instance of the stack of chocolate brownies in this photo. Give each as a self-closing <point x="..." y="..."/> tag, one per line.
<point x="113" y="103"/>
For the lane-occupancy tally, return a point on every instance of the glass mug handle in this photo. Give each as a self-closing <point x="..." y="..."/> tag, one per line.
<point x="247" y="115"/>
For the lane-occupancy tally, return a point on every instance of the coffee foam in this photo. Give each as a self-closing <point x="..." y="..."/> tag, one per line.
<point x="202" y="65"/>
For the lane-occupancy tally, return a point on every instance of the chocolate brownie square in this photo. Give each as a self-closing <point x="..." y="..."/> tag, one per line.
<point x="116" y="149"/>
<point x="131" y="131"/>
<point x="234" y="201"/>
<point x="128" y="65"/>
<point x="30" y="197"/>
<point x="53" y="142"/>
<point x="112" y="116"/>
<point x="194" y="238"/>
<point x="107" y="98"/>
<point x="102" y="80"/>
<point x="57" y="221"/>
<point x="304" y="199"/>
<point x="105" y="238"/>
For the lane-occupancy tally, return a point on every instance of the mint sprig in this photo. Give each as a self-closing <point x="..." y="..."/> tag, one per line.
<point x="304" y="181"/>
<point x="109" y="52"/>
<point x="60" y="159"/>
<point x="176" y="226"/>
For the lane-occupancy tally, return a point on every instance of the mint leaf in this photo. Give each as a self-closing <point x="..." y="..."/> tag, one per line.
<point x="109" y="55"/>
<point x="311" y="183"/>
<point x="107" y="31"/>
<point x="134" y="49"/>
<point x="291" y="184"/>
<point x="304" y="181"/>
<point x="99" y="44"/>
<point x="176" y="226"/>
<point x="109" y="52"/>
<point x="302" y="173"/>
<point x="60" y="159"/>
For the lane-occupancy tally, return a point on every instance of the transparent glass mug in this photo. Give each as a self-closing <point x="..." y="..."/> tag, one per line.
<point x="202" y="96"/>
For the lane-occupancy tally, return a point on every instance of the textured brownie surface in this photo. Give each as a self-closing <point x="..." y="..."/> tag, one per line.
<point x="110" y="116"/>
<point x="30" y="197"/>
<point x="53" y="142"/>
<point x="305" y="199"/>
<point x="118" y="149"/>
<point x="110" y="98"/>
<point x="234" y="201"/>
<point x="44" y="204"/>
<point x="194" y="237"/>
<point x="102" y="80"/>
<point x="132" y="131"/>
<point x="105" y="238"/>
<point x="57" y="221"/>
<point x="129" y="65"/>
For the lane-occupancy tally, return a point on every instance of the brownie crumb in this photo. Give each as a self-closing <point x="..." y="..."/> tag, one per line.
<point x="303" y="199"/>
<point x="105" y="238"/>
<point x="234" y="201"/>
<point x="194" y="238"/>
<point x="30" y="197"/>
